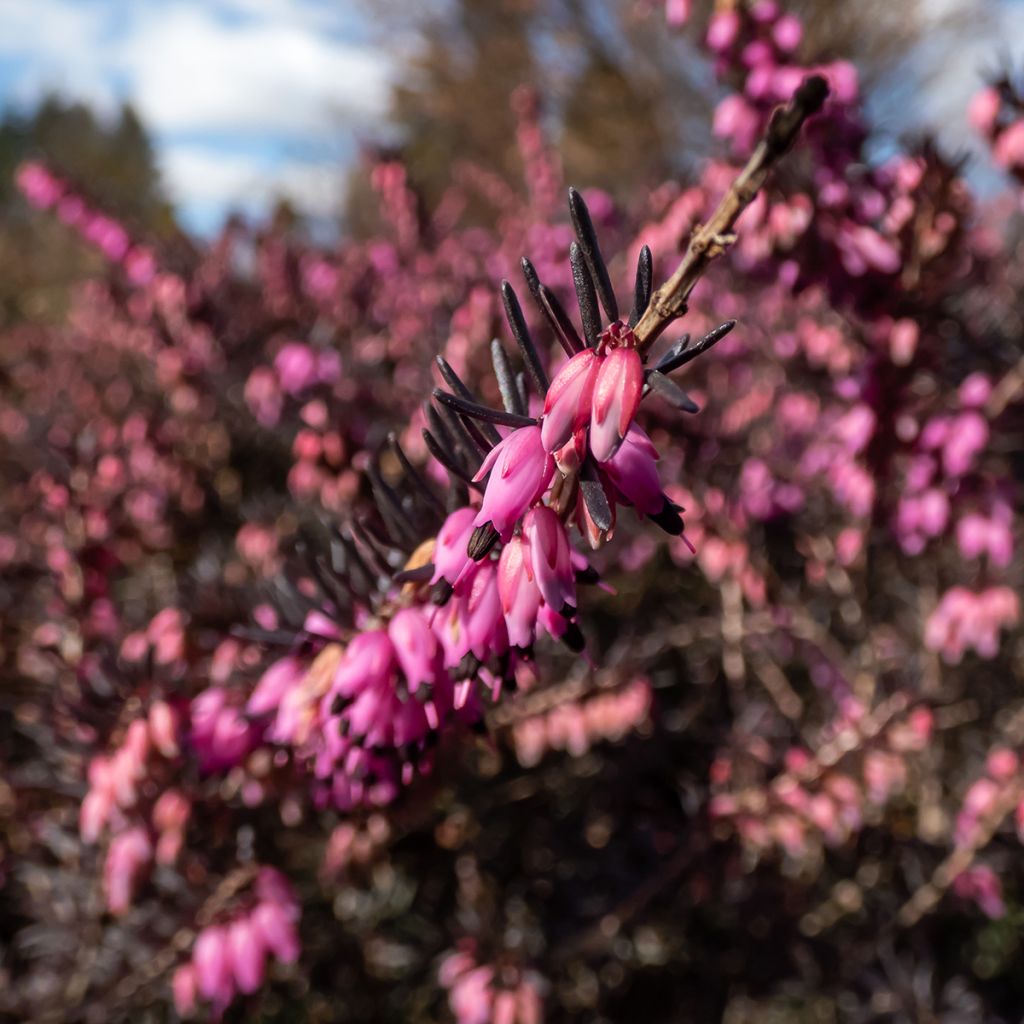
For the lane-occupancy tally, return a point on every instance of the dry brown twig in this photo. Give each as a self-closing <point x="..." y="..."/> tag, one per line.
<point x="711" y="240"/>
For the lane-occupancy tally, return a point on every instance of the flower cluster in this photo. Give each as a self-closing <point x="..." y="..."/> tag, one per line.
<point x="231" y="956"/>
<point x="46" y="191"/>
<point x="479" y="993"/>
<point x="576" y="726"/>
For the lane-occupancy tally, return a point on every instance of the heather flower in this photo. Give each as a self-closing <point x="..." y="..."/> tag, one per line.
<point x="129" y="854"/>
<point x="220" y="735"/>
<point x="273" y="925"/>
<point x="416" y="648"/>
<point x="520" y="595"/>
<point x="633" y="472"/>
<point x="212" y="959"/>
<point x="520" y="472"/>
<point x="450" y="556"/>
<point x="549" y="560"/>
<point x="567" y="405"/>
<point x="617" y="392"/>
<point x="246" y="951"/>
<point x="185" y="989"/>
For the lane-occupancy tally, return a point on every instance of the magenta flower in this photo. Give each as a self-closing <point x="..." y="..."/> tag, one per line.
<point x="520" y="471"/>
<point x="274" y="926"/>
<point x="481" y="620"/>
<point x="368" y="661"/>
<point x="450" y="556"/>
<point x="184" y="987"/>
<point x="416" y="648"/>
<point x="247" y="952"/>
<point x="212" y="960"/>
<point x="549" y="559"/>
<point x="520" y="595"/>
<point x="617" y="393"/>
<point x="634" y="472"/>
<point x="567" y="405"/>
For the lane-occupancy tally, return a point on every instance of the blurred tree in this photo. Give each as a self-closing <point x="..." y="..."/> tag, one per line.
<point x="629" y="100"/>
<point x="454" y="103"/>
<point x="112" y="162"/>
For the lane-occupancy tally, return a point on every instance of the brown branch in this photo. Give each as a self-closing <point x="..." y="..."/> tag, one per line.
<point x="712" y="239"/>
<point x="927" y="897"/>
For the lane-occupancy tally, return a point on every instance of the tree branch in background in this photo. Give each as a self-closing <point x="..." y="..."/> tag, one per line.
<point x="712" y="239"/>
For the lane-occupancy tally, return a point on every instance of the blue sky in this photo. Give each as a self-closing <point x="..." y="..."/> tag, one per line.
<point x="246" y="99"/>
<point x="250" y="99"/>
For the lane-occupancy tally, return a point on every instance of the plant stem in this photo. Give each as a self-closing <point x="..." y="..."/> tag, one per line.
<point x="710" y="240"/>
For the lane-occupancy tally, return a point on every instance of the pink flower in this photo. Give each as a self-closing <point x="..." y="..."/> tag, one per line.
<point x="274" y="684"/>
<point x="1008" y="150"/>
<point x="450" y="556"/>
<point x="967" y="439"/>
<point x="163" y="728"/>
<point x="368" y="661"/>
<point x="171" y="811"/>
<point x="482" y="620"/>
<point x="247" y="952"/>
<point x="213" y="965"/>
<point x="520" y="471"/>
<point x="634" y="472"/>
<point x="273" y="925"/>
<point x="788" y="33"/>
<point x="549" y="559"/>
<point x="677" y="12"/>
<point x="520" y="595"/>
<point x="723" y="30"/>
<point x="984" y="110"/>
<point x="416" y="648"/>
<point x="617" y="392"/>
<point x="129" y="853"/>
<point x="184" y="986"/>
<point x="296" y="367"/>
<point x="567" y="405"/>
<point x="220" y="734"/>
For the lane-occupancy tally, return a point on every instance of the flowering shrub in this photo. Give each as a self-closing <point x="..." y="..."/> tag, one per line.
<point x="328" y="700"/>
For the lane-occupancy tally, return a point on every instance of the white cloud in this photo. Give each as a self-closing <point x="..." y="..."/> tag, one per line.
<point x="199" y="176"/>
<point x="191" y="71"/>
<point x="263" y="76"/>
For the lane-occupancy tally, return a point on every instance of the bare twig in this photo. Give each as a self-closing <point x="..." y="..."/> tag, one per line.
<point x="712" y="239"/>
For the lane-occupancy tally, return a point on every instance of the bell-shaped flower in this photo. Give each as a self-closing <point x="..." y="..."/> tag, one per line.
<point x="617" y="393"/>
<point x="567" y="404"/>
<point x="520" y="471"/>
<point x="450" y="547"/>
<point x="550" y="560"/>
<point x="416" y="647"/>
<point x="634" y="472"/>
<point x="274" y="925"/>
<point x="482" y="621"/>
<point x="212" y="960"/>
<point x="520" y="595"/>
<point x="368" y="660"/>
<point x="248" y="952"/>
